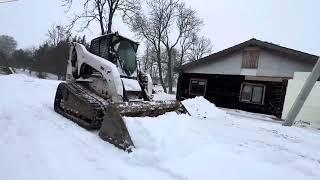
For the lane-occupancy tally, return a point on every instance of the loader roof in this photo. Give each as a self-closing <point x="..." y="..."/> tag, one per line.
<point x="117" y="35"/>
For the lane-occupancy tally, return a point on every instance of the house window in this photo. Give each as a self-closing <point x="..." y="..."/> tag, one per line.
<point x="252" y="93"/>
<point x="197" y="87"/>
<point x="250" y="58"/>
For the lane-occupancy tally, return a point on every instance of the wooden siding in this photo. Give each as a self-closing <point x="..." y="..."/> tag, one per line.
<point x="250" y="58"/>
<point x="224" y="91"/>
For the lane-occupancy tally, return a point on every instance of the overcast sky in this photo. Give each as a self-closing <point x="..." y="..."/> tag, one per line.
<point x="291" y="23"/>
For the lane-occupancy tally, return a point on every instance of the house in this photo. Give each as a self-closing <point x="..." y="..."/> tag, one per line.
<point x="251" y="76"/>
<point x="309" y="113"/>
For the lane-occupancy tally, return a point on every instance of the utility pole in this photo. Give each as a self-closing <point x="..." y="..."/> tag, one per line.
<point x="7" y="1"/>
<point x="303" y="95"/>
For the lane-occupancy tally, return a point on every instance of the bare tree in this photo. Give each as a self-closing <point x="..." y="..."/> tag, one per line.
<point x="200" y="47"/>
<point x="7" y="44"/>
<point x="185" y="45"/>
<point x="56" y="34"/>
<point x="126" y="7"/>
<point x="148" y="59"/>
<point x="169" y="26"/>
<point x="101" y="11"/>
<point x="152" y="27"/>
<point x="187" y="23"/>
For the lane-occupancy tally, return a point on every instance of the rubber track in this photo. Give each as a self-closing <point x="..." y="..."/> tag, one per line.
<point x="84" y="95"/>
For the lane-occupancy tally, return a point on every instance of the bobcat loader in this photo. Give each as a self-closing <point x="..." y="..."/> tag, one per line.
<point x="103" y="85"/>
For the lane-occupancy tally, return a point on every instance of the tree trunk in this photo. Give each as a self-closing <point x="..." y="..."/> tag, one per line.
<point x="151" y="68"/>
<point x="102" y="28"/>
<point x="146" y="65"/>
<point x="100" y="18"/>
<point x="181" y="57"/>
<point x="170" y="78"/>
<point x="160" y="69"/>
<point x="109" y="30"/>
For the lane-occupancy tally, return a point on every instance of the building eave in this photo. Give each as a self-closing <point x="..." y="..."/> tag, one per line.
<point x="253" y="42"/>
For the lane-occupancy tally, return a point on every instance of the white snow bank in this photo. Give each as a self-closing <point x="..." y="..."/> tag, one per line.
<point x="201" y="108"/>
<point x="36" y="143"/>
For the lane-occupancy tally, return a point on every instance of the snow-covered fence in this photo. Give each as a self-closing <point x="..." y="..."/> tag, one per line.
<point x="310" y="111"/>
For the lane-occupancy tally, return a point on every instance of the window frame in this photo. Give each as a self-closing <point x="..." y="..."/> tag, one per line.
<point x="198" y="79"/>
<point x="252" y="86"/>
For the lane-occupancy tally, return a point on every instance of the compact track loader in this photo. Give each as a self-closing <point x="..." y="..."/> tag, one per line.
<point x="103" y="85"/>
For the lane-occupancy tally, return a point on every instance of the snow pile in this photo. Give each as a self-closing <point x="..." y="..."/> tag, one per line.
<point x="201" y="108"/>
<point x="36" y="143"/>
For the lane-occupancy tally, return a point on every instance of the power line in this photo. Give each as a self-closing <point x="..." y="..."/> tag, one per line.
<point x="7" y="1"/>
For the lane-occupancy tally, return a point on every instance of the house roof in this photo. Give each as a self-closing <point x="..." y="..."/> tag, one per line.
<point x="253" y="42"/>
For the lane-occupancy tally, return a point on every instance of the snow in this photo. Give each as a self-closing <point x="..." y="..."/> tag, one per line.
<point x="161" y="95"/>
<point x="36" y="143"/>
<point x="34" y="74"/>
<point x="131" y="84"/>
<point x="201" y="108"/>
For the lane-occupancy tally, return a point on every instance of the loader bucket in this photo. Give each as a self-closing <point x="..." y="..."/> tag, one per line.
<point x="114" y="129"/>
<point x="147" y="108"/>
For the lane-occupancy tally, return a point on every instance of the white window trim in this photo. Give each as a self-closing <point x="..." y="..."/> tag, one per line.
<point x="252" y="84"/>
<point x="197" y="79"/>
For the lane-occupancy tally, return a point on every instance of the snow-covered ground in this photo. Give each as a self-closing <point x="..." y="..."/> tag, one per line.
<point x="34" y="74"/>
<point x="36" y="143"/>
<point x="161" y="95"/>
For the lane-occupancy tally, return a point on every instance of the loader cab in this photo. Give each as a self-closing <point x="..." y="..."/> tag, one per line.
<point x="119" y="50"/>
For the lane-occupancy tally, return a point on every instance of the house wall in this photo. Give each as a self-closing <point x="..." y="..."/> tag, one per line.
<point x="270" y="64"/>
<point x="310" y="111"/>
<point x="230" y="64"/>
<point x="224" y="91"/>
<point x="273" y="64"/>
<point x="224" y="76"/>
